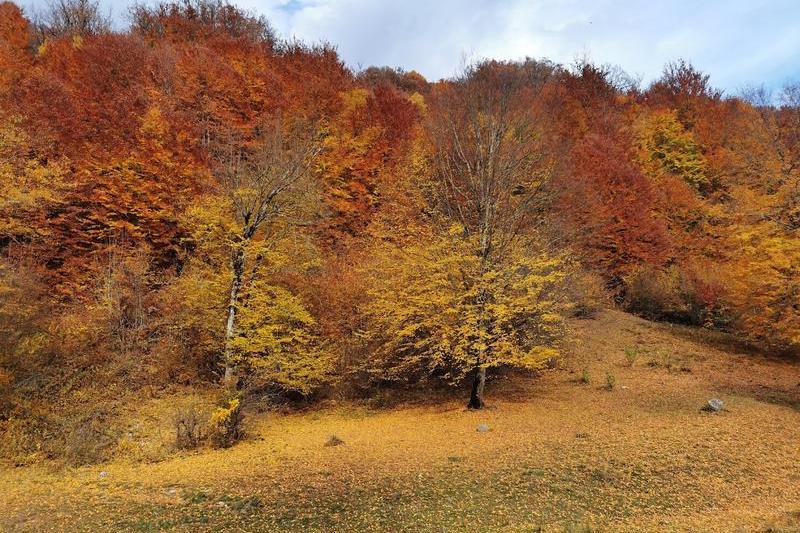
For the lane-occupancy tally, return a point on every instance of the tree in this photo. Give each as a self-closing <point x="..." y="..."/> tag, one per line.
<point x="490" y="177"/>
<point x="667" y="148"/>
<point x="73" y="18"/>
<point x="684" y="89"/>
<point x="763" y="220"/>
<point x="193" y="19"/>
<point x="764" y="278"/>
<point x="608" y="205"/>
<point x="262" y="178"/>
<point x="15" y="37"/>
<point x="363" y="144"/>
<point x="434" y="307"/>
<point x="28" y="187"/>
<point x="275" y="344"/>
<point x="25" y="318"/>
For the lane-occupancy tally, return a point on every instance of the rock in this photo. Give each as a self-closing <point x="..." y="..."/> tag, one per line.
<point x="714" y="405"/>
<point x="172" y="491"/>
<point x="482" y="428"/>
<point x="103" y="474"/>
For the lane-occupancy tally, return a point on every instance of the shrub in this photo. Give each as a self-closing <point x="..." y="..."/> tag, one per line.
<point x="631" y="353"/>
<point x="189" y="424"/>
<point x="334" y="441"/>
<point x="585" y="376"/>
<point x="611" y="381"/>
<point x="225" y="425"/>
<point x="21" y="438"/>
<point x="87" y="439"/>
<point x="586" y="293"/>
<point x="668" y="361"/>
<point x="654" y="293"/>
<point x="676" y="294"/>
<point x="664" y="360"/>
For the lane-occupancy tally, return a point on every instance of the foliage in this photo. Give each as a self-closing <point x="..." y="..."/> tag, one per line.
<point x="189" y="425"/>
<point x="666" y="147"/>
<point x="28" y="187"/>
<point x="25" y="335"/>
<point x="87" y="439"/>
<point x="277" y="340"/>
<point x="194" y="199"/>
<point x="674" y="294"/>
<point x="610" y="205"/>
<point x="586" y="293"/>
<point x="71" y="18"/>
<point x="426" y="318"/>
<point x="225" y="424"/>
<point x="631" y="354"/>
<point x="194" y="19"/>
<point x="765" y="286"/>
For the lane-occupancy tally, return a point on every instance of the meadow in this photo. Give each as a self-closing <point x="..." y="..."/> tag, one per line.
<point x="560" y="454"/>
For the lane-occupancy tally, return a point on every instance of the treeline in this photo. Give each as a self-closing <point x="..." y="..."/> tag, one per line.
<point x="196" y="201"/>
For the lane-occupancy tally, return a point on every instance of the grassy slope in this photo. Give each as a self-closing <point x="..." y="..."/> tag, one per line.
<point x="639" y="458"/>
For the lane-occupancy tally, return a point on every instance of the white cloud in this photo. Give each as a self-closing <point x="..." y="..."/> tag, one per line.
<point x="736" y="41"/>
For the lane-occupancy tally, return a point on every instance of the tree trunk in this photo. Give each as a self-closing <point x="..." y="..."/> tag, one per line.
<point x="476" y="397"/>
<point x="237" y="264"/>
<point x="478" y="382"/>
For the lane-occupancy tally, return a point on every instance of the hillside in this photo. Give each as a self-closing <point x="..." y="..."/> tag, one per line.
<point x="249" y="285"/>
<point x="560" y="455"/>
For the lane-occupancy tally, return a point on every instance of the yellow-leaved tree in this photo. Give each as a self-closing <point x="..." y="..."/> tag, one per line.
<point x="275" y="343"/>
<point x="667" y="148"/>
<point x="28" y="187"/>
<point x="266" y="182"/>
<point x="472" y="289"/>
<point x="765" y="285"/>
<point x="246" y="244"/>
<point x="762" y="218"/>
<point x="433" y="307"/>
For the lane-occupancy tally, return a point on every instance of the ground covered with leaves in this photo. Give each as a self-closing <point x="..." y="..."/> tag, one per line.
<point x="612" y="440"/>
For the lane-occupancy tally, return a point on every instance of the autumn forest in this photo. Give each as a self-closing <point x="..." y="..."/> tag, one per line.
<point x="194" y="205"/>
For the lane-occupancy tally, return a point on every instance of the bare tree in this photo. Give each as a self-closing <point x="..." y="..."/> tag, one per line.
<point x="196" y="17"/>
<point x="263" y="177"/>
<point x="70" y="18"/>
<point x="489" y="167"/>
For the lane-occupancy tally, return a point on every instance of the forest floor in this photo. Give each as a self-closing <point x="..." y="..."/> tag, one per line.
<point x="560" y="455"/>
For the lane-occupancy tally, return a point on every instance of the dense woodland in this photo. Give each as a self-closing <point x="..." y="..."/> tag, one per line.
<point x="196" y="202"/>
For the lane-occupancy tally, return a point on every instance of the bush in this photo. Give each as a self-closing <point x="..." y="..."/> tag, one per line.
<point x="225" y="425"/>
<point x="88" y="439"/>
<point x="611" y="381"/>
<point x="631" y="353"/>
<point x="586" y="293"/>
<point x="675" y="294"/>
<point x="654" y="293"/>
<point x="21" y="439"/>
<point x="189" y="424"/>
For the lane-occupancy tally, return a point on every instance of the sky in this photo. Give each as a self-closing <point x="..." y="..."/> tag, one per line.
<point x="739" y="43"/>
